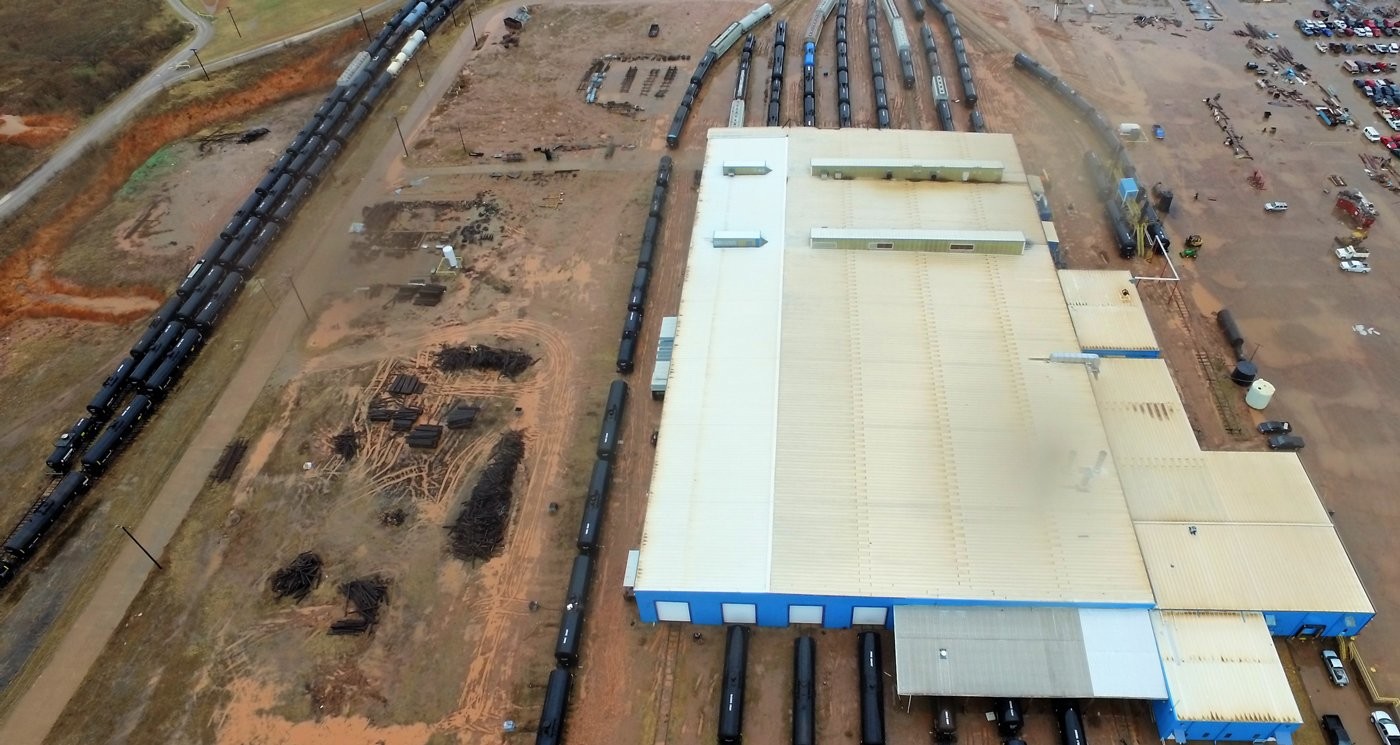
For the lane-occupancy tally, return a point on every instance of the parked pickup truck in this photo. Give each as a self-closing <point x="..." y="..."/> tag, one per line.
<point x="1349" y="252"/>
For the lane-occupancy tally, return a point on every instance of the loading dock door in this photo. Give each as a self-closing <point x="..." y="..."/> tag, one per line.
<point x="670" y="610"/>
<point x="739" y="612"/>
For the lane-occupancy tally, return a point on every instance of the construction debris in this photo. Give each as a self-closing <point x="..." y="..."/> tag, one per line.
<point x="508" y="362"/>
<point x="402" y="420"/>
<point x="297" y="579"/>
<point x="480" y="529"/>
<point x="229" y="460"/>
<point x="363" y="598"/>
<point x="346" y="444"/>
<point x="1233" y="140"/>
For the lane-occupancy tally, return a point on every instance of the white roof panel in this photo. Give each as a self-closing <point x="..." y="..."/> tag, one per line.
<point x="1223" y="667"/>
<point x="1107" y="311"/>
<point x="1032" y="652"/>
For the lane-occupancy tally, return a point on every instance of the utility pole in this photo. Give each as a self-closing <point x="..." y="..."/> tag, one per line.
<point x="462" y="137"/>
<point x="235" y="21"/>
<point x="364" y="23"/>
<point x="472" y="21"/>
<point x="293" y="283"/>
<point x="421" y="81"/>
<point x="401" y="139"/>
<point x="201" y="63"/>
<point x="143" y="548"/>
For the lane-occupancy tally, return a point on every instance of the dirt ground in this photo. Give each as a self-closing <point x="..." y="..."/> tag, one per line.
<point x="205" y="654"/>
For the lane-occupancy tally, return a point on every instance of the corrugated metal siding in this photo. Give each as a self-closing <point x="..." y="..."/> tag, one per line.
<point x="1223" y="667"/>
<point x="1032" y="652"/>
<point x="897" y="410"/>
<point x="708" y="512"/>
<point x="1104" y="317"/>
<point x="1253" y="567"/>
<point x="1142" y="411"/>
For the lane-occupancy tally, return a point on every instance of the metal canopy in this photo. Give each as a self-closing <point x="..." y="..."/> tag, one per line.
<point x="1026" y="651"/>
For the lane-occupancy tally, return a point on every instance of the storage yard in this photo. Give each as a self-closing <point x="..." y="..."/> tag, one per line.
<point x="548" y="397"/>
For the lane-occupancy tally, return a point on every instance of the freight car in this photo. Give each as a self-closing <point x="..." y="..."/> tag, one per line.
<point x="872" y="690"/>
<point x="612" y="419"/>
<point x="580" y="576"/>
<point x="556" y="708"/>
<point x="67" y="445"/>
<point x="25" y="538"/>
<point x="731" y="695"/>
<point x="566" y="646"/>
<point x="804" y="691"/>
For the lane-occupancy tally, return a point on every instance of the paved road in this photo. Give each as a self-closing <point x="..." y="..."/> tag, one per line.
<point x="170" y="71"/>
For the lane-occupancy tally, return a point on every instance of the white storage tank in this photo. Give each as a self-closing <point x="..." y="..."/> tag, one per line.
<point x="1260" y="393"/>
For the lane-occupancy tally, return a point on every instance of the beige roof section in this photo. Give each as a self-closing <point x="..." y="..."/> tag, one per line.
<point x="901" y="205"/>
<point x="927" y="447"/>
<point x="1142" y="411"/>
<point x="1230" y="566"/>
<point x="1219" y="487"/>
<point x="840" y="422"/>
<point x="1106" y="310"/>
<point x="1223" y="667"/>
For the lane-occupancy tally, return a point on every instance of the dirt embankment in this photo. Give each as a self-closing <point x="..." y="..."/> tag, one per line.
<point x="28" y="290"/>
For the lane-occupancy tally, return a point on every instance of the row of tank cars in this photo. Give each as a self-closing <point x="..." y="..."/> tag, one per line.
<point x="641" y="278"/>
<point x="568" y="642"/>
<point x="713" y="52"/>
<point x="176" y="333"/>
<point x="1102" y="175"/>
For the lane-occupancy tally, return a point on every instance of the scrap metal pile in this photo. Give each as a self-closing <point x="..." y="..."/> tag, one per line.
<point x="363" y="598"/>
<point x="480" y="529"/>
<point x="508" y="362"/>
<point x="346" y="444"/>
<point x="297" y="579"/>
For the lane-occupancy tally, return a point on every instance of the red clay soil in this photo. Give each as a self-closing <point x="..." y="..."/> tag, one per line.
<point x="36" y="131"/>
<point x="27" y="290"/>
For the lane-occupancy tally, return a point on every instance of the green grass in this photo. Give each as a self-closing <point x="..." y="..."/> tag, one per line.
<point x="263" y="21"/>
<point x="155" y="166"/>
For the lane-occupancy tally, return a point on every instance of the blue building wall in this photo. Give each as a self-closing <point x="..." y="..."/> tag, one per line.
<point x="837" y="611"/>
<point x="1315" y="623"/>
<point x="1168" y="726"/>
<point x="1137" y="354"/>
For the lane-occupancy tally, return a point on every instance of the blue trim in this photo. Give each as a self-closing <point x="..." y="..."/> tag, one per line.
<point x="1137" y="354"/>
<point x="836" y="610"/>
<point x="1169" y="726"/>
<point x="1316" y="623"/>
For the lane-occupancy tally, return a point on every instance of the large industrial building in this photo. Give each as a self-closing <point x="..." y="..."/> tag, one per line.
<point x="885" y="406"/>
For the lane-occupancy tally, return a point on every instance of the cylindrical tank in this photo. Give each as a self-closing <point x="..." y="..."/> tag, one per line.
<point x="731" y="703"/>
<point x="1009" y="718"/>
<point x="945" y="721"/>
<point x="804" y="691"/>
<point x="1071" y="725"/>
<point x="1233" y="336"/>
<point x="872" y="690"/>
<point x="1260" y="393"/>
<point x="1245" y="373"/>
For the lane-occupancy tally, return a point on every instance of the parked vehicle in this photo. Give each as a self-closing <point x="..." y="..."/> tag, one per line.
<point x="1371" y="134"/>
<point x="1275" y="427"/>
<point x="1287" y="442"/>
<point x="1335" y="669"/>
<point x="1385" y="726"/>
<point x="1350" y="252"/>
<point x="1276" y="207"/>
<point x="1335" y="732"/>
<point x="1355" y="267"/>
<point x="1333" y="729"/>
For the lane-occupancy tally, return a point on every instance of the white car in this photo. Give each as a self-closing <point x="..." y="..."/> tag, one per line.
<point x="1371" y="134"/>
<point x="1394" y="48"/>
<point x="1350" y="252"/>
<point x="1335" y="669"/>
<point x="1276" y="207"/>
<point x="1355" y="267"/>
<point x="1390" y="734"/>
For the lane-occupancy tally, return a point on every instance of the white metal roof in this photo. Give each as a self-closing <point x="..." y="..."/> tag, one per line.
<point x="1032" y="652"/>
<point x="708" y="524"/>
<point x="1223" y="667"/>
<point x="839" y="422"/>
<point x="1107" y="310"/>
